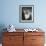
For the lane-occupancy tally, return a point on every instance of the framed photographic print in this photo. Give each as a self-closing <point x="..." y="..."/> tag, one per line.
<point x="26" y="13"/>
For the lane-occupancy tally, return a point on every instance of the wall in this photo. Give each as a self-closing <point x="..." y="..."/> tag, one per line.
<point x="10" y="13"/>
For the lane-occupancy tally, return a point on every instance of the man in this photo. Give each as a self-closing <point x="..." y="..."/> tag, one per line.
<point x="26" y="14"/>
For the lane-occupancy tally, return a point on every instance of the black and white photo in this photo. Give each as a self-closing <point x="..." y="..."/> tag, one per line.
<point x="26" y="13"/>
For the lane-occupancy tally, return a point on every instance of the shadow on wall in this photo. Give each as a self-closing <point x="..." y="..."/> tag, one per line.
<point x="2" y="26"/>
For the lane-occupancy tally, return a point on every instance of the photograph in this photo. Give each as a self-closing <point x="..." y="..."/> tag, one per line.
<point x="26" y="13"/>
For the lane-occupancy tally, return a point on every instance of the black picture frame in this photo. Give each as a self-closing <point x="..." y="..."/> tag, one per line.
<point x="26" y="13"/>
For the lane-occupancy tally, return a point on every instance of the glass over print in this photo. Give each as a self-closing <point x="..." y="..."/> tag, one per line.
<point x="26" y="13"/>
